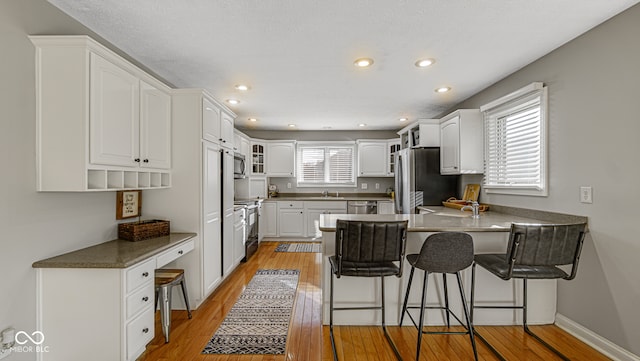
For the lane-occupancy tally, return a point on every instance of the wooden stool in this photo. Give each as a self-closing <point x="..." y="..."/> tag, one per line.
<point x="165" y="279"/>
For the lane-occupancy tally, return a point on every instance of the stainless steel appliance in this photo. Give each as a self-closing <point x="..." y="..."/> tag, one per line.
<point x="238" y="166"/>
<point x="251" y="219"/>
<point x="418" y="180"/>
<point x="362" y="207"/>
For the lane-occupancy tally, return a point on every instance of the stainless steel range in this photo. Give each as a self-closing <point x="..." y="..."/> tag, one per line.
<point x="251" y="241"/>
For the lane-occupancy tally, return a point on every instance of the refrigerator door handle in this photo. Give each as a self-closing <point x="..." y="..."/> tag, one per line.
<point x="399" y="181"/>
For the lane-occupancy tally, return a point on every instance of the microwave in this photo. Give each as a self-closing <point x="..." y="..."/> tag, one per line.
<point x="238" y="166"/>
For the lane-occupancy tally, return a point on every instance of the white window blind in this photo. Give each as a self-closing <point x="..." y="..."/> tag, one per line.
<point x="515" y="145"/>
<point x="326" y="165"/>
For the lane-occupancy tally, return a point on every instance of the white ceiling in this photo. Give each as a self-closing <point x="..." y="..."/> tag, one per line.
<point x="297" y="55"/>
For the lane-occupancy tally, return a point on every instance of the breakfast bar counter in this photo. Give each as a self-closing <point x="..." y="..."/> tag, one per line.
<point x="490" y="235"/>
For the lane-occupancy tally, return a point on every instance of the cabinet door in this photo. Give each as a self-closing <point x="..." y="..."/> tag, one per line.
<point x="238" y="241"/>
<point x="392" y="147"/>
<point x="270" y="221"/>
<point x="450" y="146"/>
<point x="258" y="158"/>
<point x="281" y="159"/>
<point x="211" y="242"/>
<point x="227" y="243"/>
<point x="372" y="159"/>
<point x="385" y="207"/>
<point x="313" y="222"/>
<point x="114" y="115"/>
<point x="258" y="187"/>
<point x="291" y="222"/>
<point x="211" y="118"/>
<point x="226" y="131"/>
<point x="245" y="148"/>
<point x="227" y="181"/>
<point x="155" y="127"/>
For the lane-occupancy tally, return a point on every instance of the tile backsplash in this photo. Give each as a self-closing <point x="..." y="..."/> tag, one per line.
<point x="383" y="183"/>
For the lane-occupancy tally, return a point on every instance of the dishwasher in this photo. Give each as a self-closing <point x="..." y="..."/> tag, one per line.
<point x="362" y="207"/>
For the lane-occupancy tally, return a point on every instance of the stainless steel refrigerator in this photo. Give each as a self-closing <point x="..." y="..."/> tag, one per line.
<point x="418" y="180"/>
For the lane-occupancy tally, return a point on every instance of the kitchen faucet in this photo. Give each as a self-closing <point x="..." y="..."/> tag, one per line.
<point x="474" y="207"/>
<point x="325" y="193"/>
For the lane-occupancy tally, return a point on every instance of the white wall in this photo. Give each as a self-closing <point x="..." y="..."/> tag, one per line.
<point x="594" y="125"/>
<point x="34" y="225"/>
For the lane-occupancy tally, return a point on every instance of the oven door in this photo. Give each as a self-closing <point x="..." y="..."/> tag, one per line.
<point x="238" y="166"/>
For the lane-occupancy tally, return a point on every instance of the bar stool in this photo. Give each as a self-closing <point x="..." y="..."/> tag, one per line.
<point x="367" y="249"/>
<point x="534" y="252"/>
<point x="445" y="252"/>
<point x="165" y="279"/>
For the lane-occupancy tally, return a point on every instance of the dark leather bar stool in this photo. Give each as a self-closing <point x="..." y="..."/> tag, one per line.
<point x="534" y="252"/>
<point x="445" y="252"/>
<point x="367" y="249"/>
<point x="165" y="279"/>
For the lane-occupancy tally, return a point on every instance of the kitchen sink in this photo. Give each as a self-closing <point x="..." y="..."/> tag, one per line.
<point x="327" y="198"/>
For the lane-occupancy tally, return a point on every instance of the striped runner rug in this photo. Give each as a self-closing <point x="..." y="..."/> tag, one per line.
<point x="259" y="320"/>
<point x="298" y="247"/>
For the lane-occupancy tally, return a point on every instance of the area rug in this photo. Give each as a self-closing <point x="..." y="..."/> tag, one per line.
<point x="298" y="247"/>
<point x="259" y="320"/>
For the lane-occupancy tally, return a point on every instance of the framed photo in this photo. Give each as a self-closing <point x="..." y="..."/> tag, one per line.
<point x="128" y="204"/>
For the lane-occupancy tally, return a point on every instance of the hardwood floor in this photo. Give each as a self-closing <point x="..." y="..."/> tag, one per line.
<point x="309" y="340"/>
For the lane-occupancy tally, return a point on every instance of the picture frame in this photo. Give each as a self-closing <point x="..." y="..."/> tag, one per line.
<point x="128" y="204"/>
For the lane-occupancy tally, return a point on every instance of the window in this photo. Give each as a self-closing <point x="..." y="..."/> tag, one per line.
<point x="324" y="164"/>
<point x="515" y="142"/>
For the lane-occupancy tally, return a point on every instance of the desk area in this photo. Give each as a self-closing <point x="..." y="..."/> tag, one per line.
<point x="490" y="234"/>
<point x="97" y="303"/>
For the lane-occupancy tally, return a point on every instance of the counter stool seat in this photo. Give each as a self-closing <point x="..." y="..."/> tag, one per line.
<point x="165" y="279"/>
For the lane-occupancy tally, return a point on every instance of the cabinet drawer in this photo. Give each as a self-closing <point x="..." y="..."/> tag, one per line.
<point x="139" y="299"/>
<point x="290" y="204"/>
<point x="174" y="253"/>
<point x="140" y="274"/>
<point x="140" y="332"/>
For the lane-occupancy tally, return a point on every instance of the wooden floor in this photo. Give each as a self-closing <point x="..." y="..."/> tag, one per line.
<point x="309" y="340"/>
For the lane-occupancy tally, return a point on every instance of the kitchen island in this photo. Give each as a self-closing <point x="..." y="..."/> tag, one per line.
<point x="490" y="235"/>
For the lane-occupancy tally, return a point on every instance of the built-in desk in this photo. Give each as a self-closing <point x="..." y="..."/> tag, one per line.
<point x="490" y="235"/>
<point x="97" y="303"/>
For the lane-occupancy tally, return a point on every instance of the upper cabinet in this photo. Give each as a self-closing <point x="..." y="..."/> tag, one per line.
<point x="258" y="157"/>
<point x="393" y="145"/>
<point x="102" y="123"/>
<point x="370" y="154"/>
<point x="421" y="133"/>
<point x="281" y="158"/>
<point x="217" y="123"/>
<point x="461" y="141"/>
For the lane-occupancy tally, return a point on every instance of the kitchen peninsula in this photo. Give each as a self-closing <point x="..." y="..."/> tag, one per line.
<point x="490" y="235"/>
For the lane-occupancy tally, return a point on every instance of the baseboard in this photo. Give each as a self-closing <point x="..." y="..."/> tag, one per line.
<point x="594" y="340"/>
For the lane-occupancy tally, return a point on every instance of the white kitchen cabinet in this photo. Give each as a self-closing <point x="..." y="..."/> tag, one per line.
<point x="421" y="133"/>
<point x="291" y="219"/>
<point x="238" y="236"/>
<point x="258" y="187"/>
<point x="393" y="145"/>
<point x="226" y="130"/>
<point x="212" y="222"/>
<point x="258" y="158"/>
<point x="102" y="123"/>
<point x="372" y="158"/>
<point x="386" y="207"/>
<point x="281" y="158"/>
<point x="227" y="196"/>
<point x="270" y="219"/>
<point x="217" y="123"/>
<point x="242" y="145"/>
<point x="461" y="138"/>
<point x="314" y="209"/>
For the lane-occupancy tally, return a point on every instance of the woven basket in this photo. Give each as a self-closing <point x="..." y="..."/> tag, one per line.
<point x="138" y="231"/>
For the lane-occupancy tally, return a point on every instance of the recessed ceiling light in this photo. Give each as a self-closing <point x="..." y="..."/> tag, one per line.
<point x="362" y="125"/>
<point x="443" y="89"/>
<point x="233" y="101"/>
<point x="291" y="125"/>
<point x="423" y="63"/>
<point x="253" y="120"/>
<point x="403" y="119"/>
<point x="363" y="62"/>
<point x="242" y="87"/>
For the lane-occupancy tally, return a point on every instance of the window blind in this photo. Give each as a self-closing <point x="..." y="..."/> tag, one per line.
<point x="515" y="144"/>
<point x="326" y="165"/>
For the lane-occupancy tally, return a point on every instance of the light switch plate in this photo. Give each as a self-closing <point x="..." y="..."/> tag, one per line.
<point x="586" y="195"/>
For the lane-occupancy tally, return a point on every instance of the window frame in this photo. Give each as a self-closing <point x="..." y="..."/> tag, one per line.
<point x="510" y="104"/>
<point x="326" y="146"/>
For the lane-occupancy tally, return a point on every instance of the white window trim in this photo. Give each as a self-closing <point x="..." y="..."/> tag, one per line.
<point x="324" y="144"/>
<point x="529" y="90"/>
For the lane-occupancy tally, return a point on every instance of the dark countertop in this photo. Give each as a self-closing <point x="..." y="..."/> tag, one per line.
<point x="117" y="253"/>
<point x="341" y="197"/>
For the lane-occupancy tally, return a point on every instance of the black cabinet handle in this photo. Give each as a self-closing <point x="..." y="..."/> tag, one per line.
<point x="145" y="330"/>
<point x="137" y="160"/>
<point x="145" y="274"/>
<point x="180" y="252"/>
<point x="145" y="299"/>
<point x="146" y="160"/>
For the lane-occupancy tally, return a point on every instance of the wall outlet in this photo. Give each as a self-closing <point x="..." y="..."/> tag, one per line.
<point x="288" y="185"/>
<point x="377" y="185"/>
<point x="364" y="186"/>
<point x="586" y="195"/>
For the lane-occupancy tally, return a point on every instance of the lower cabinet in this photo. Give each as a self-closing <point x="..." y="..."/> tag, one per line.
<point x="291" y="220"/>
<point x="386" y="207"/>
<point x="227" y="243"/>
<point x="314" y="210"/>
<point x="269" y="217"/>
